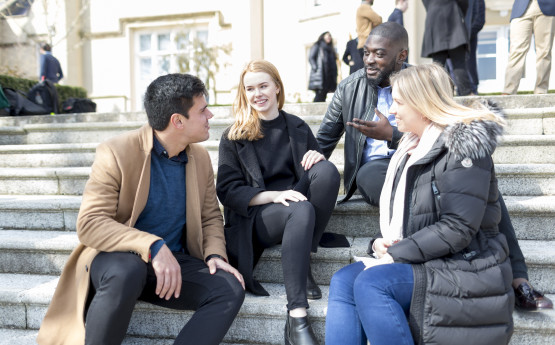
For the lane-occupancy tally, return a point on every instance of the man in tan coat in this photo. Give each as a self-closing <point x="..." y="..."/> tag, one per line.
<point x="366" y="20"/>
<point x="150" y="229"/>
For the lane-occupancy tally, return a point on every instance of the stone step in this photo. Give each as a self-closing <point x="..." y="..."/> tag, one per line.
<point x="24" y="300"/>
<point x="515" y="149"/>
<point x="514" y="179"/>
<point x="99" y="127"/>
<point x="47" y="155"/>
<point x="10" y="336"/>
<point x="220" y="112"/>
<point x="64" y="181"/>
<point x="45" y="252"/>
<point x="533" y="217"/>
<point x="261" y="320"/>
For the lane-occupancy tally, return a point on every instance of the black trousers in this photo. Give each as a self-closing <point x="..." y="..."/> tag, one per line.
<point x="299" y="227"/>
<point x="458" y="59"/>
<point x="119" y="279"/>
<point x="320" y="95"/>
<point x="370" y="180"/>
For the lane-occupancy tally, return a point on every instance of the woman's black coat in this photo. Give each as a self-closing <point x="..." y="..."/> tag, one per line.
<point x="323" y="72"/>
<point x="239" y="180"/>
<point x="462" y="273"/>
<point x="445" y="28"/>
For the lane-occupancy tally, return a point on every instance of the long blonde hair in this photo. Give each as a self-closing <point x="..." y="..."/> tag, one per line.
<point x="428" y="89"/>
<point x="247" y="119"/>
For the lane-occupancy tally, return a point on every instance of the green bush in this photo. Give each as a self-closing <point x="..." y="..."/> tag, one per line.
<point x="64" y="92"/>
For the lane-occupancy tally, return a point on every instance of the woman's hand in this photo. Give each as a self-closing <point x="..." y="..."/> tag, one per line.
<point x="288" y="195"/>
<point x="386" y="259"/>
<point x="277" y="197"/>
<point x="380" y="247"/>
<point x="310" y="158"/>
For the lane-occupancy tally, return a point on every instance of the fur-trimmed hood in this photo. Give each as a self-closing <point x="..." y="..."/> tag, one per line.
<point x="476" y="139"/>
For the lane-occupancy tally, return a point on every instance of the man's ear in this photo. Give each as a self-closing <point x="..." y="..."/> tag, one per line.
<point x="176" y="120"/>
<point x="402" y="57"/>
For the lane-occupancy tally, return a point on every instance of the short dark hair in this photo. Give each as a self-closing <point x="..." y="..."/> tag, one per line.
<point x="394" y="32"/>
<point x="46" y="47"/>
<point x="170" y="94"/>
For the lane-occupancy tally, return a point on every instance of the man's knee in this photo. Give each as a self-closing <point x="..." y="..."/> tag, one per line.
<point x="125" y="272"/>
<point x="229" y="290"/>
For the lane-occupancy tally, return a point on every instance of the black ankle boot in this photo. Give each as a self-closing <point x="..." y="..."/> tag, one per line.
<point x="299" y="332"/>
<point x="312" y="289"/>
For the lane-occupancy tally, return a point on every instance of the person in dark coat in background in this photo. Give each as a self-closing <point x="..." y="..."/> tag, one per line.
<point x="397" y="15"/>
<point x="441" y="272"/>
<point x="446" y="36"/>
<point x="475" y="20"/>
<point x="323" y="67"/>
<point x="276" y="187"/>
<point x="353" y="56"/>
<point x="50" y="68"/>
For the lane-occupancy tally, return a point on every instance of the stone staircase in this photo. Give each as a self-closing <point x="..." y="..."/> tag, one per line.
<point x="45" y="162"/>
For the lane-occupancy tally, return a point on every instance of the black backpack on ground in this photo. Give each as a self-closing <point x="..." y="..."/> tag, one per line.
<point x="78" y="105"/>
<point x="20" y="105"/>
<point x="44" y="93"/>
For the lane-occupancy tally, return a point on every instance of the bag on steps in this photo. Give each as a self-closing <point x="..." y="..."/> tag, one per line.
<point x="78" y="105"/>
<point x="20" y="105"/>
<point x="44" y="93"/>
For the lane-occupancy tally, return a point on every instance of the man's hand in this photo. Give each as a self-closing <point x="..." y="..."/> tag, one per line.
<point x="310" y="158"/>
<point x="379" y="130"/>
<point x="168" y="274"/>
<point x="217" y="263"/>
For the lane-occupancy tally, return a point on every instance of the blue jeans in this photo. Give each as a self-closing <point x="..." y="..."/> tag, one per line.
<point x="370" y="304"/>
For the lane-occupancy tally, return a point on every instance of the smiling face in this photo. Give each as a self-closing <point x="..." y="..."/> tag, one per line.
<point x="261" y="92"/>
<point x="381" y="58"/>
<point x="408" y="119"/>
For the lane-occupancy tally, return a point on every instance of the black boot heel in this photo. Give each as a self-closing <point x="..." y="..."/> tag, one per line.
<point x="299" y="332"/>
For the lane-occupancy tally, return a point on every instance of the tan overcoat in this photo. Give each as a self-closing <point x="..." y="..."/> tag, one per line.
<point x="114" y="197"/>
<point x="366" y="20"/>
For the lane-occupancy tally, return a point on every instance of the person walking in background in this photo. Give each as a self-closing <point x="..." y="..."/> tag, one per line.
<point x="446" y="36"/>
<point x="530" y="17"/>
<point x="50" y="68"/>
<point x="323" y="67"/>
<point x="441" y="262"/>
<point x="397" y="15"/>
<point x="366" y="20"/>
<point x="353" y="56"/>
<point x="276" y="187"/>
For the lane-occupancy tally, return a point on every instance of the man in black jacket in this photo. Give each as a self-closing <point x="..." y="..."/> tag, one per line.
<point x="357" y="110"/>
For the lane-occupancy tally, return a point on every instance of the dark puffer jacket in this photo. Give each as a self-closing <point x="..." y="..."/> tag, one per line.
<point x="462" y="274"/>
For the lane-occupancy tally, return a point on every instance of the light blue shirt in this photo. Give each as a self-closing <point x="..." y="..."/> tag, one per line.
<point x="377" y="149"/>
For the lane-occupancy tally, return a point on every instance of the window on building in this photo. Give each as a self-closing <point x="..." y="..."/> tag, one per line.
<point x="486" y="55"/>
<point x="162" y="51"/>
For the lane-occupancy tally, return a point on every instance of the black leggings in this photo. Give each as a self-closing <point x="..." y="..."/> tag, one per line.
<point x="119" y="279"/>
<point x="299" y="227"/>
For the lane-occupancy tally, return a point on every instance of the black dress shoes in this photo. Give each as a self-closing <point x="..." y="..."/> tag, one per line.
<point x="526" y="298"/>
<point x="299" y="332"/>
<point x="312" y="289"/>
